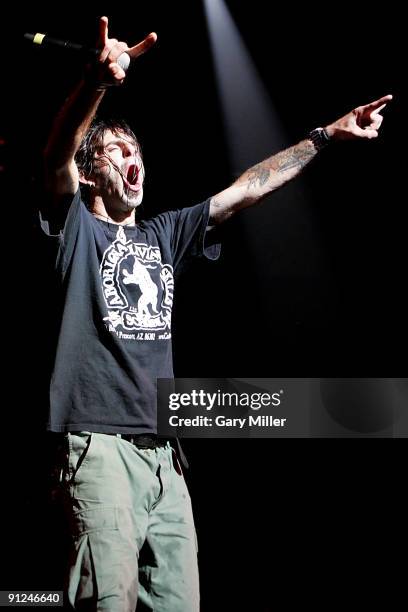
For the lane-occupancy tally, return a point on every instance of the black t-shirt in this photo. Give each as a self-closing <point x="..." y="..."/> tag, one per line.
<point x="116" y="285"/>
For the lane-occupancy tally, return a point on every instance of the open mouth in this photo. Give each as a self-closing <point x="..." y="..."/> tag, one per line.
<point x="132" y="176"/>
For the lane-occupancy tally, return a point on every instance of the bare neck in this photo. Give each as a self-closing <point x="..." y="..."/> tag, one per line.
<point x="119" y="217"/>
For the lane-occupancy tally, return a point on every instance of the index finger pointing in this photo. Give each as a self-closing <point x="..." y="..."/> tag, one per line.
<point x="143" y="46"/>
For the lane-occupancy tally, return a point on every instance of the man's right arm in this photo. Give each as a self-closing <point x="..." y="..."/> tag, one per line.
<point x="75" y="117"/>
<point x="69" y="128"/>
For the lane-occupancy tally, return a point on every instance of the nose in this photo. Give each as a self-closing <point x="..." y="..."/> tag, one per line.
<point x="129" y="151"/>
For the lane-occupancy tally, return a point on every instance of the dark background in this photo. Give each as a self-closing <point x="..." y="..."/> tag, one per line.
<point x="312" y="283"/>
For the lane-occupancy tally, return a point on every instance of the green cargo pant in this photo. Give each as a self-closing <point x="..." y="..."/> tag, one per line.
<point x="132" y="527"/>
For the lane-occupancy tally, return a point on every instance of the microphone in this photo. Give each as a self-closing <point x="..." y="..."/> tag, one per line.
<point x="46" y="41"/>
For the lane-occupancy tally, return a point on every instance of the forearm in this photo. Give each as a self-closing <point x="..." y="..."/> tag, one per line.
<point x="71" y="124"/>
<point x="260" y="180"/>
<point x="275" y="171"/>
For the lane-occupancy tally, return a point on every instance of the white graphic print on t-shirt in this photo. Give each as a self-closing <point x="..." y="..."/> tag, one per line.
<point x="137" y="287"/>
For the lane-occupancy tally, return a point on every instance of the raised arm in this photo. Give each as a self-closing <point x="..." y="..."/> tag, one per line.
<point x="253" y="185"/>
<point x="79" y="109"/>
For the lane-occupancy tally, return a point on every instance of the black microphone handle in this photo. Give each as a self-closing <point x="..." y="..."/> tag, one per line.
<point x="43" y="40"/>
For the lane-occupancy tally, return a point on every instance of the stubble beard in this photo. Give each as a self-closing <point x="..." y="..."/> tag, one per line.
<point x="131" y="199"/>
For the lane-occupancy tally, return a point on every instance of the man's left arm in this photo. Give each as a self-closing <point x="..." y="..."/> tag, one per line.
<point x="257" y="182"/>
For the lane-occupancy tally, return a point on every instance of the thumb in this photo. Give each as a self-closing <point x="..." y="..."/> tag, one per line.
<point x="366" y="133"/>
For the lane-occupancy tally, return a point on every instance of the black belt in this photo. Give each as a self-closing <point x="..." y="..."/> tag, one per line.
<point x="143" y="440"/>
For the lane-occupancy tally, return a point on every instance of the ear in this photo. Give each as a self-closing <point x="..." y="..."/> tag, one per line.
<point x="86" y="181"/>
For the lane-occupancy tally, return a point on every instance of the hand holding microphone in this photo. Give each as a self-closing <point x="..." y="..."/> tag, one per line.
<point x="112" y="50"/>
<point x="112" y="57"/>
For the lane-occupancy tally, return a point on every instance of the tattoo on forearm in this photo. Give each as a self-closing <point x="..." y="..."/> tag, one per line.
<point x="295" y="157"/>
<point x="258" y="175"/>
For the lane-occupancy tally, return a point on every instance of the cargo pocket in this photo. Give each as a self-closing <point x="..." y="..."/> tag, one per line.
<point x="93" y="520"/>
<point x="96" y="565"/>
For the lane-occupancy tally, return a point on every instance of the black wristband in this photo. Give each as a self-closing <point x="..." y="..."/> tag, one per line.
<point x="320" y="138"/>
